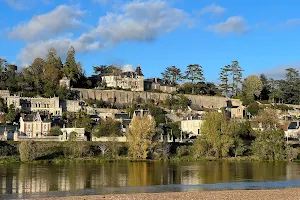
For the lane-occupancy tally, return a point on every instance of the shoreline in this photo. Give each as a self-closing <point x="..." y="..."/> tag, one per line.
<point x="274" y="194"/>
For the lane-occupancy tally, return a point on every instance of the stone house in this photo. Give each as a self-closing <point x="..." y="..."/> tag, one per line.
<point x="235" y="111"/>
<point x="159" y="84"/>
<point x="129" y="79"/>
<point x="32" y="125"/>
<point x="36" y="104"/>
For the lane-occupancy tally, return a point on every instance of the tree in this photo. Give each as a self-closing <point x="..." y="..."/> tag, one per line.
<point x="216" y="136"/>
<point x="11" y="114"/>
<point x="109" y="127"/>
<point x="292" y="86"/>
<point x="253" y="108"/>
<point x="55" y="131"/>
<point x="3" y="106"/>
<point x="194" y="72"/>
<point x="139" y="135"/>
<point x="270" y="145"/>
<point x="252" y="87"/>
<point x="265" y="92"/>
<point x="70" y="67"/>
<point x="173" y="74"/>
<point x="28" y="151"/>
<point x="268" y="118"/>
<point x="237" y="75"/>
<point x="34" y="75"/>
<point x="224" y="78"/>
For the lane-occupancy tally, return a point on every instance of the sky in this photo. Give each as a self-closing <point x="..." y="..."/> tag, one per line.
<point x="262" y="35"/>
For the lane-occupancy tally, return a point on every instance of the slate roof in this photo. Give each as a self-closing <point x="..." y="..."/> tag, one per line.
<point x="122" y="115"/>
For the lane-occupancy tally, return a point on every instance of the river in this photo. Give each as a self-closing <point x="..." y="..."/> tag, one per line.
<point x="44" y="180"/>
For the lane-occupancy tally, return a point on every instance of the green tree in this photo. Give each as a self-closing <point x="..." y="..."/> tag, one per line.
<point x="55" y="131"/>
<point x="11" y="114"/>
<point x="28" y="151"/>
<point x="224" y="78"/>
<point x="252" y="87"/>
<point x="70" y="68"/>
<point x="173" y="74"/>
<point x="253" y="108"/>
<point x="108" y="127"/>
<point x="216" y="137"/>
<point x="270" y="145"/>
<point x="237" y="75"/>
<point x="194" y="72"/>
<point x="265" y="92"/>
<point x="292" y="86"/>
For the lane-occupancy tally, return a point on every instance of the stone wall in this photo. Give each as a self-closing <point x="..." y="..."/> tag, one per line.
<point x="128" y="97"/>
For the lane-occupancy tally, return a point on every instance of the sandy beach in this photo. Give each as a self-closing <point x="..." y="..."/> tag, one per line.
<point x="286" y="194"/>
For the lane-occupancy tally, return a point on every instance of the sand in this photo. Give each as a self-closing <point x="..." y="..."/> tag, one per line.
<point x="285" y="194"/>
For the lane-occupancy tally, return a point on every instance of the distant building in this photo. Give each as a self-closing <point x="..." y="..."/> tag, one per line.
<point x="235" y="112"/>
<point x="36" y="104"/>
<point x="125" y="79"/>
<point x="65" y="82"/>
<point x="159" y="84"/>
<point x="293" y="130"/>
<point x="191" y="125"/>
<point x="124" y="118"/>
<point x="32" y="125"/>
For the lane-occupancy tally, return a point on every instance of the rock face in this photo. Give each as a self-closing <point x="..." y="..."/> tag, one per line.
<point x="128" y="97"/>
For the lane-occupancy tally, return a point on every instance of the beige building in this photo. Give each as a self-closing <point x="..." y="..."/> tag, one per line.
<point x="32" y="125"/>
<point x="129" y="79"/>
<point x="192" y="125"/>
<point x="37" y="104"/>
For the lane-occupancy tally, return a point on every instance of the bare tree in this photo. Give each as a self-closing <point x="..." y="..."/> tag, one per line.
<point x="103" y="148"/>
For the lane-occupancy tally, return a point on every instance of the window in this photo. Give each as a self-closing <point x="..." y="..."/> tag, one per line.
<point x="45" y="127"/>
<point x="28" y="127"/>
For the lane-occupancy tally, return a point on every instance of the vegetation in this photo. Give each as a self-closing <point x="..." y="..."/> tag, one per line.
<point x="55" y="131"/>
<point x="108" y="128"/>
<point x="140" y="136"/>
<point x="28" y="151"/>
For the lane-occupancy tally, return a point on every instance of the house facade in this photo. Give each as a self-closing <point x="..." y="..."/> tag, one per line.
<point x="192" y="125"/>
<point x="32" y="125"/>
<point x="131" y="79"/>
<point x="36" y="104"/>
<point x="293" y="130"/>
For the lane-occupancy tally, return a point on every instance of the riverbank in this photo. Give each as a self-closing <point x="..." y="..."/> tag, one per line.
<point x="287" y="194"/>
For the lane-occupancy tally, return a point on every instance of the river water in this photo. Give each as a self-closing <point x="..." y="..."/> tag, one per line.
<point x="44" y="180"/>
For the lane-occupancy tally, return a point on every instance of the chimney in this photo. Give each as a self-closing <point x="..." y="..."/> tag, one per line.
<point x="155" y="79"/>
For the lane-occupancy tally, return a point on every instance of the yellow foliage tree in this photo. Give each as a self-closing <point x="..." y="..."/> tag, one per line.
<point x="139" y="135"/>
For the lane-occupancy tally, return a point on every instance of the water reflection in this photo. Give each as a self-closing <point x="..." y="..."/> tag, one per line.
<point x="29" y="178"/>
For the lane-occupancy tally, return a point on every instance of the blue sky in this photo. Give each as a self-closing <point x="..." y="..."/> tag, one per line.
<point x="262" y="35"/>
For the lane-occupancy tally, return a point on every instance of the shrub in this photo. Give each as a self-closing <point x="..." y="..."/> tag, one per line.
<point x="76" y="149"/>
<point x="28" y="151"/>
<point x="55" y="131"/>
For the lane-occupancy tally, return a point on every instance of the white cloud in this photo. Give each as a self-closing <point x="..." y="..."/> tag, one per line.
<point x="136" y="21"/>
<point x="42" y="26"/>
<point x="213" y="9"/>
<point x="291" y="23"/>
<point x="279" y="71"/>
<point x="24" y="4"/>
<point x="235" y="24"/>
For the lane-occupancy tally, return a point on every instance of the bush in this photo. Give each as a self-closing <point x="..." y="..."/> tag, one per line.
<point x="28" y="151"/>
<point x="55" y="131"/>
<point x="74" y="149"/>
